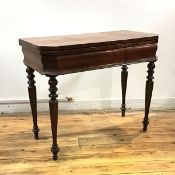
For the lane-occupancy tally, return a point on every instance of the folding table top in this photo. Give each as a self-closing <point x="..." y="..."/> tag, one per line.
<point x="83" y="52"/>
<point x="67" y="42"/>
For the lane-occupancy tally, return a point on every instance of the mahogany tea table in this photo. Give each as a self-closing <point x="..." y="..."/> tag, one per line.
<point x="58" y="55"/>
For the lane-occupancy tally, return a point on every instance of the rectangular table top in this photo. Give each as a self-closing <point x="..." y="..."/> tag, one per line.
<point x="87" y="40"/>
<point x="74" y="53"/>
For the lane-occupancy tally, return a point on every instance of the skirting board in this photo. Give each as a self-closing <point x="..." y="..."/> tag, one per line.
<point x="23" y="106"/>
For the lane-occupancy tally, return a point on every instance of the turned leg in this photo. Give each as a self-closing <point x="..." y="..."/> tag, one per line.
<point x="124" y="76"/>
<point x="53" y="105"/>
<point x="148" y="93"/>
<point x="33" y="100"/>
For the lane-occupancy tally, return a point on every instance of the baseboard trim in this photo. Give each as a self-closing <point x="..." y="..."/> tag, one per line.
<point x="18" y="106"/>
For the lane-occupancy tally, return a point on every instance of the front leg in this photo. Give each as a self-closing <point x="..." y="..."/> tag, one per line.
<point x="53" y="105"/>
<point x="33" y="99"/>
<point x="148" y="93"/>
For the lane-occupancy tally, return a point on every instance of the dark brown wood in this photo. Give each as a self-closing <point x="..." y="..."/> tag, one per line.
<point x="88" y="40"/>
<point x="57" y="55"/>
<point x="33" y="100"/>
<point x="68" y="54"/>
<point x="124" y="76"/>
<point x="53" y="105"/>
<point x="148" y="93"/>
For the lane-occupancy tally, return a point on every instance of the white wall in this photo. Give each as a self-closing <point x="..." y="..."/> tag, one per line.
<point x="27" y="18"/>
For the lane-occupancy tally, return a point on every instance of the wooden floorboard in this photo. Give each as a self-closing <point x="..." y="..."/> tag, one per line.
<point x="90" y="144"/>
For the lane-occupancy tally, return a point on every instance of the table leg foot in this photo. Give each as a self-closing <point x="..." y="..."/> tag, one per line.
<point x="148" y="93"/>
<point x="124" y="76"/>
<point x="55" y="150"/>
<point x="33" y="100"/>
<point x="53" y="105"/>
<point x="36" y="132"/>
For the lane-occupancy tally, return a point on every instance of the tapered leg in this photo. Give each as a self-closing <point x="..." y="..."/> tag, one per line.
<point x="33" y="100"/>
<point x="124" y="76"/>
<point x="53" y="105"/>
<point x="148" y="93"/>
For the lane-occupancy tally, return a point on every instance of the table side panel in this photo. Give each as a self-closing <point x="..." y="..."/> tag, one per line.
<point x="33" y="60"/>
<point x="97" y="60"/>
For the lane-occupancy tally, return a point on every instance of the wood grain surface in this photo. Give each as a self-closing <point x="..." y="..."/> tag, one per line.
<point x="87" y="40"/>
<point x="58" y="55"/>
<point x="90" y="144"/>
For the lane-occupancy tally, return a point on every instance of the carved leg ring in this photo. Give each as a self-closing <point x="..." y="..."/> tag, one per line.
<point x="53" y="105"/>
<point x="148" y="93"/>
<point x="33" y="99"/>
<point x="124" y="76"/>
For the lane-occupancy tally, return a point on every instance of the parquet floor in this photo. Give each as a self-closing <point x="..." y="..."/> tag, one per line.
<point x="90" y="144"/>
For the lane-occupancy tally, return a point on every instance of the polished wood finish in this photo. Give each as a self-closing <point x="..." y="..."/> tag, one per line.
<point x="33" y="100"/>
<point x="124" y="76"/>
<point x="88" y="40"/>
<point x="53" y="105"/>
<point x="58" y="55"/>
<point x="91" y="144"/>
<point x="148" y="93"/>
<point x="67" y="54"/>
